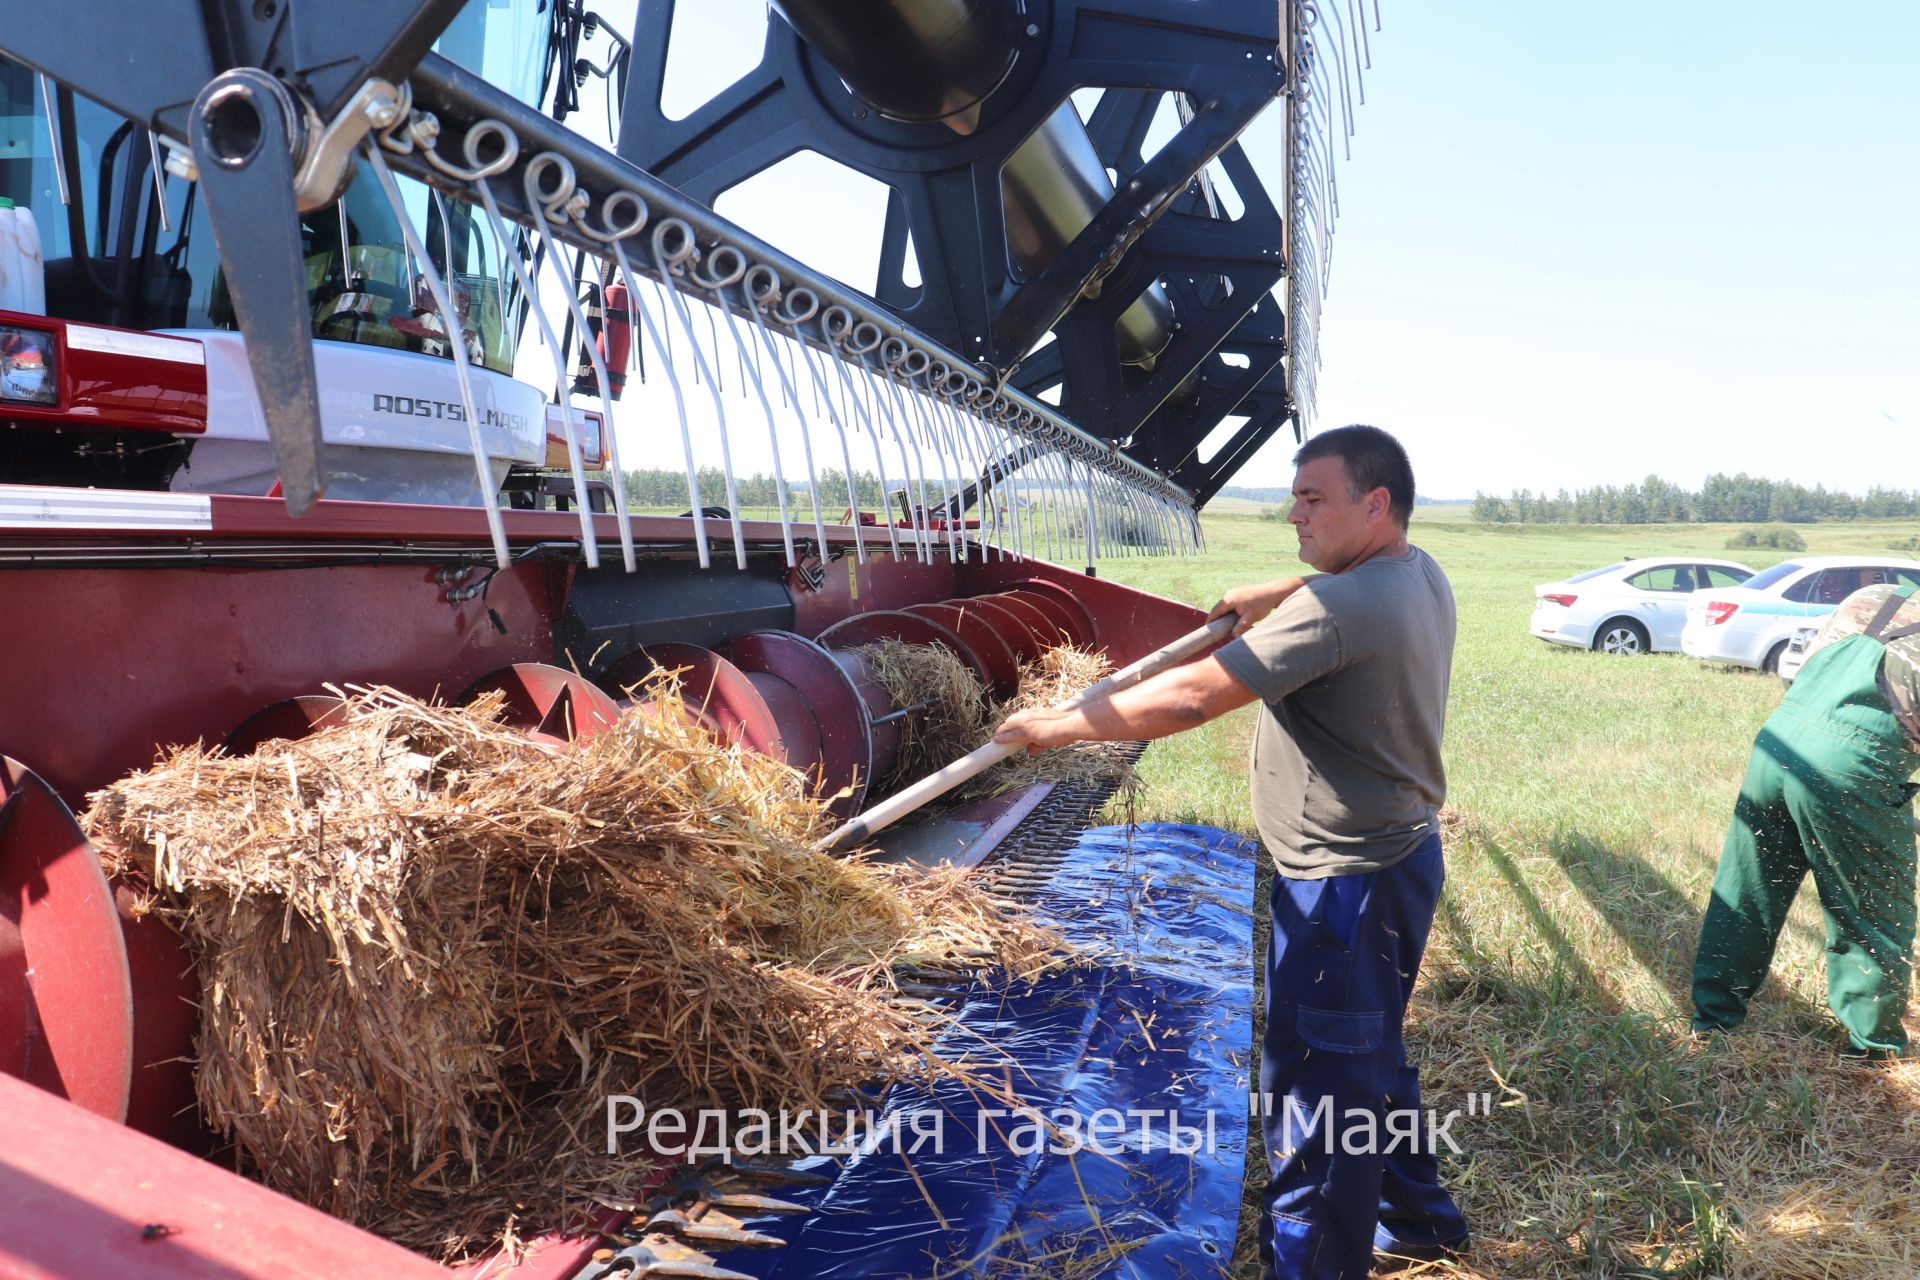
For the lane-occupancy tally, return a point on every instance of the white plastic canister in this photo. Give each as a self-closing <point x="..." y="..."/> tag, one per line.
<point x="23" y="276"/>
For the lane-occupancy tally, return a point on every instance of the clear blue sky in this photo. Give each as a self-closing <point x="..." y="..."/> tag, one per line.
<point x="1579" y="243"/>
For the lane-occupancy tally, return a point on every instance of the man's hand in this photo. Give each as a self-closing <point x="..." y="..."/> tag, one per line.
<point x="1255" y="601"/>
<point x="1035" y="729"/>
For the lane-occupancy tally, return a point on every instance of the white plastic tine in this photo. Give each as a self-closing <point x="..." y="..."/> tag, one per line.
<point x="457" y="347"/>
<point x="791" y="395"/>
<point x="703" y="369"/>
<point x="846" y="450"/>
<point x="751" y="371"/>
<point x="665" y="354"/>
<point x="623" y="519"/>
<point x="589" y="541"/>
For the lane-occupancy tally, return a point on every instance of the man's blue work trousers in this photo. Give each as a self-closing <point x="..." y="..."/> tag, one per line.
<point x="1340" y="967"/>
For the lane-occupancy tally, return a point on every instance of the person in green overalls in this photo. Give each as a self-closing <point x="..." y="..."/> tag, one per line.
<point x="1827" y="791"/>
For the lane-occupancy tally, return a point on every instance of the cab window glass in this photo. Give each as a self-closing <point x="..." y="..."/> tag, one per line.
<point x="1835" y="585"/>
<point x="1714" y="575"/>
<point x="1670" y="577"/>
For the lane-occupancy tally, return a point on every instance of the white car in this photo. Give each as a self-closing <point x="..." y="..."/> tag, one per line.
<point x="1633" y="606"/>
<point x="1795" y="656"/>
<point x="1751" y="625"/>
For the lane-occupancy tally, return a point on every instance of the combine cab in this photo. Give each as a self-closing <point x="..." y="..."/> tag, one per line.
<point x="279" y="387"/>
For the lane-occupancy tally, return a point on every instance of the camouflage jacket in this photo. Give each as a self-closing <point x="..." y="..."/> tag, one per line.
<point x="1900" y="669"/>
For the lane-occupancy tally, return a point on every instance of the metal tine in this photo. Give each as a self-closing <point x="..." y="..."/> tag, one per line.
<point x="884" y="425"/>
<point x="684" y="257"/>
<point x="53" y="137"/>
<point x="1132" y="534"/>
<point x="623" y="519"/>
<point x="1069" y="510"/>
<point x="970" y="441"/>
<point x="589" y="540"/>
<point x="727" y="266"/>
<point x="1017" y="492"/>
<point x="750" y="370"/>
<point x="960" y="546"/>
<point x="963" y="428"/>
<point x="889" y="428"/>
<point x="1062" y="495"/>
<point x="1043" y="501"/>
<point x="913" y="421"/>
<point x="700" y="545"/>
<point x="1093" y="524"/>
<point x="160" y="188"/>
<point x="1043" y="497"/>
<point x="791" y="395"/>
<point x="913" y="470"/>
<point x="1138" y="521"/>
<point x="846" y="450"/>
<point x="836" y="325"/>
<point x="942" y="445"/>
<point x="457" y="348"/>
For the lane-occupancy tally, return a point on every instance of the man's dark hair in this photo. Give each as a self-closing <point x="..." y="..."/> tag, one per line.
<point x="1374" y="460"/>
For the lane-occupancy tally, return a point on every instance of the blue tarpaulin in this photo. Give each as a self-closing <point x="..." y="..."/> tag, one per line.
<point x="1140" y="1059"/>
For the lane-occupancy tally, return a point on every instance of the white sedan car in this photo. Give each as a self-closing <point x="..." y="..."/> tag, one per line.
<point x="1752" y="625"/>
<point x="1633" y="606"/>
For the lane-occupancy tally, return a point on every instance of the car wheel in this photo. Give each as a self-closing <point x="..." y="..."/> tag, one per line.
<point x="1770" y="665"/>
<point x="1621" y="636"/>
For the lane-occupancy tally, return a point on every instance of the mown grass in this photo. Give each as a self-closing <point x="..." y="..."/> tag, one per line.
<point x="1588" y="799"/>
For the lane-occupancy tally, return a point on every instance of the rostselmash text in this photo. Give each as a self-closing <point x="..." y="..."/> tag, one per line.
<point x="451" y="411"/>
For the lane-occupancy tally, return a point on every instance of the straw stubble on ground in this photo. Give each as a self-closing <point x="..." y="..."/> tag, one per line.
<point x="1590" y="795"/>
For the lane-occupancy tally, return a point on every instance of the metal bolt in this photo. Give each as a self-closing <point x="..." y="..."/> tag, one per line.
<point x="1033" y="28"/>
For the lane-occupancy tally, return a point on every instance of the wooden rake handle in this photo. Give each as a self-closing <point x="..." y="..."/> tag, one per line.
<point x="896" y="807"/>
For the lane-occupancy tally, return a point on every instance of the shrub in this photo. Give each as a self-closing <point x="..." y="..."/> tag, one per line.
<point x="1778" y="536"/>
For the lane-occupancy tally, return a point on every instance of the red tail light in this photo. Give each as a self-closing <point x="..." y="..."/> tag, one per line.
<point x="1718" y="611"/>
<point x="1565" y="602"/>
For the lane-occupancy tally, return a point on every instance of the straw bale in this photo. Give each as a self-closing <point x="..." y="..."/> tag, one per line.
<point x="964" y="717"/>
<point x="955" y="723"/>
<point x="1056" y="675"/>
<point x="428" y="949"/>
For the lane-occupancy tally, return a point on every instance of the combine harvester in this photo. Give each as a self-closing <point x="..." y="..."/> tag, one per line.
<point x="264" y="437"/>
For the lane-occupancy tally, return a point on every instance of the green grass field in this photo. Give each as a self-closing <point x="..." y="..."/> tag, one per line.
<point x="1588" y="798"/>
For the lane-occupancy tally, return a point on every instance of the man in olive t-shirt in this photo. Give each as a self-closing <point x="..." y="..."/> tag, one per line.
<point x="1346" y="780"/>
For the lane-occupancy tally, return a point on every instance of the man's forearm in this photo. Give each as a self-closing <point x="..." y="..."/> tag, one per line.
<point x="1169" y="703"/>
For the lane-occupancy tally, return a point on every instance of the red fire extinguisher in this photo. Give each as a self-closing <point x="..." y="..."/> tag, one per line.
<point x="616" y="336"/>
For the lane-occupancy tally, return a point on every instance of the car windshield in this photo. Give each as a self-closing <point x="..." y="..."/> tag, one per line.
<point x="1594" y="573"/>
<point x="1767" y="577"/>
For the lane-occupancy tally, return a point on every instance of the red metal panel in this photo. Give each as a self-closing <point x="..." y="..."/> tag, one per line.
<point x="106" y="381"/>
<point x="83" y="1196"/>
<point x="66" y="1019"/>
<point x="1132" y="623"/>
<point x="105" y="663"/>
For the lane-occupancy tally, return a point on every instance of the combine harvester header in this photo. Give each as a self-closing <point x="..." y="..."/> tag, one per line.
<point x="272" y="434"/>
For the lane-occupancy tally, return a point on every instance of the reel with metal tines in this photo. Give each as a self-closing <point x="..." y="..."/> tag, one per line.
<point x="913" y="411"/>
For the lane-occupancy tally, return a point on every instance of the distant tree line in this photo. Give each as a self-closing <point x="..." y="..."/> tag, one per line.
<point x="1722" y="499"/>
